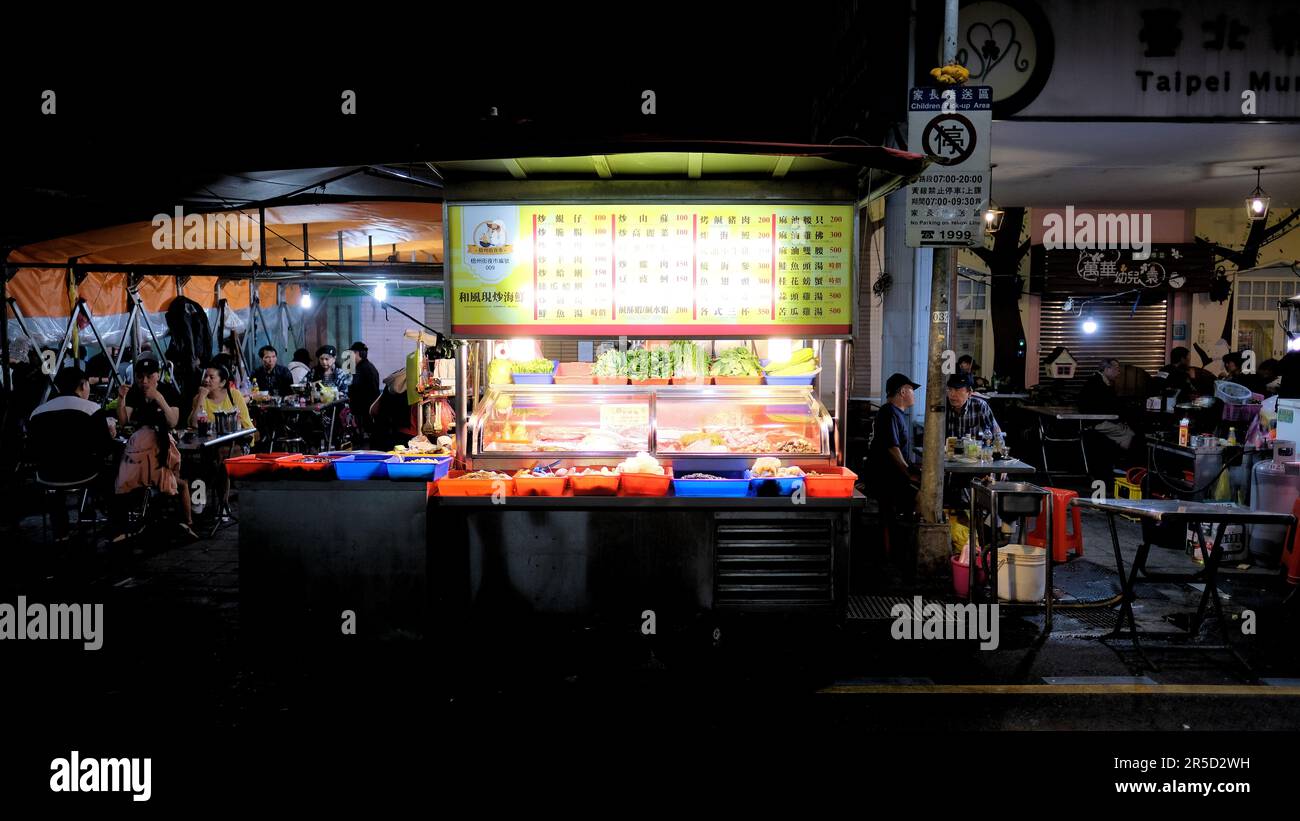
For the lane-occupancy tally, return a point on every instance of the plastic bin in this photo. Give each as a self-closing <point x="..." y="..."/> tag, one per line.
<point x="690" y="380"/>
<point x="536" y="378"/>
<point x="771" y="486"/>
<point x="801" y="379"/>
<point x="832" y="481"/>
<point x="541" y="485"/>
<point x="254" y="464"/>
<point x="595" y="484"/>
<point x="649" y="381"/>
<point x="733" y="484"/>
<point x="408" y="469"/>
<point x="738" y="380"/>
<point x="574" y="373"/>
<point x="1022" y="573"/>
<point x="646" y="484"/>
<point x="304" y="465"/>
<point x="454" y="485"/>
<point x="610" y="380"/>
<point x="961" y="577"/>
<point x="359" y="467"/>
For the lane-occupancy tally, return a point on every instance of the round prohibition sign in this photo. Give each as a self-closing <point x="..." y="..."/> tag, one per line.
<point x="949" y="139"/>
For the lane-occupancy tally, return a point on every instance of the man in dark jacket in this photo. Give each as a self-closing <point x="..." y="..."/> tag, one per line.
<point x="70" y="437"/>
<point x="272" y="377"/>
<point x="365" y="385"/>
<point x="1099" y="396"/>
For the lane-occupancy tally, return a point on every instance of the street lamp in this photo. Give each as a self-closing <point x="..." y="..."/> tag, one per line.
<point x="1257" y="202"/>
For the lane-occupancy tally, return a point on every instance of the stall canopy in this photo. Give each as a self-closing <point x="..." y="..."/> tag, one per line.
<point x="387" y="217"/>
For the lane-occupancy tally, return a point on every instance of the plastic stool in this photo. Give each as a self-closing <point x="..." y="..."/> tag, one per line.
<point x="1291" y="553"/>
<point x="1063" y="541"/>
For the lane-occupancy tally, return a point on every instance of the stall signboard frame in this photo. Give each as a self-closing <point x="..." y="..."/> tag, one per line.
<point x="525" y="268"/>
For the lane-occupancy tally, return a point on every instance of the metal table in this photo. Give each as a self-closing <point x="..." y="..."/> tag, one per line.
<point x="1063" y="413"/>
<point x="191" y="443"/>
<point x="330" y="426"/>
<point x="1190" y="513"/>
<point x="1011" y="467"/>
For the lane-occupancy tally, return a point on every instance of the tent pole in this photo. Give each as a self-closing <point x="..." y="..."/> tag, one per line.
<point x="4" y="327"/>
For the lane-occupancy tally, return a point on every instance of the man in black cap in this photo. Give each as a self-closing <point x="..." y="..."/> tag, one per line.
<point x="365" y="386"/>
<point x="893" y="478"/>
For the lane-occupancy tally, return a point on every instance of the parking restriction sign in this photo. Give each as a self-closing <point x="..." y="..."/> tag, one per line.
<point x="951" y="127"/>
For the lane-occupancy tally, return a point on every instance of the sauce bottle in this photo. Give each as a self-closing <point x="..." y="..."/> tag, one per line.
<point x="1183" y="429"/>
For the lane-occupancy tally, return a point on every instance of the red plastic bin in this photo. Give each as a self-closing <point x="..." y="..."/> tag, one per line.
<point x="646" y="484"/>
<point x="833" y="482"/>
<point x="541" y="485"/>
<point x="254" y="464"/>
<point x="303" y="462"/>
<point x="453" y="484"/>
<point x="595" y="484"/>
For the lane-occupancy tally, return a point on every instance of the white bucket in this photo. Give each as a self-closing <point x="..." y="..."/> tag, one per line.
<point x="1022" y="573"/>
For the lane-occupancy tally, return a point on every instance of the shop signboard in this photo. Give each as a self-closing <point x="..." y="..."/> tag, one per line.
<point x="1179" y="266"/>
<point x="662" y="269"/>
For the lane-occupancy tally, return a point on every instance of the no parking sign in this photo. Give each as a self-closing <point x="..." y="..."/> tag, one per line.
<point x="951" y="126"/>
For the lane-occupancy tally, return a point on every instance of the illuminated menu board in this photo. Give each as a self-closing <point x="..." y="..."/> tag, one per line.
<point x="647" y="270"/>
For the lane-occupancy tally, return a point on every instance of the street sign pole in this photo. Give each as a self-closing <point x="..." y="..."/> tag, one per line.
<point x="932" y="537"/>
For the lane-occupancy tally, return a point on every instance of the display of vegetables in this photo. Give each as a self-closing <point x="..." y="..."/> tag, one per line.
<point x="800" y="363"/>
<point x="498" y="372"/>
<point x="533" y="366"/>
<point x="688" y="359"/>
<point x="610" y="363"/>
<point x="643" y="364"/>
<point x="736" y="362"/>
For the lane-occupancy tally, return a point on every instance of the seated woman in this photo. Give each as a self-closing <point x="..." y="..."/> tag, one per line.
<point x="152" y="458"/>
<point x="217" y="394"/>
<point x="327" y="371"/>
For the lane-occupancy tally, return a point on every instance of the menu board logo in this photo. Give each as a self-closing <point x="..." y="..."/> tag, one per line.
<point x="489" y="255"/>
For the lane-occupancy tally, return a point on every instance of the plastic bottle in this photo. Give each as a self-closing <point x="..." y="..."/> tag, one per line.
<point x="1232" y="436"/>
<point x="1184" y="426"/>
<point x="1223" y="488"/>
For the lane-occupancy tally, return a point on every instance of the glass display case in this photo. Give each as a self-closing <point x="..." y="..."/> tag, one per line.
<point x="520" y="425"/>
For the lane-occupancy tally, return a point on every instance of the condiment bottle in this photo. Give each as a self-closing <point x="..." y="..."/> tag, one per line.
<point x="1184" y="426"/>
<point x="1232" y="435"/>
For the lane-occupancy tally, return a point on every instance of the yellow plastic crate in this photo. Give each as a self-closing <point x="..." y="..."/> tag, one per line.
<point x="1124" y="489"/>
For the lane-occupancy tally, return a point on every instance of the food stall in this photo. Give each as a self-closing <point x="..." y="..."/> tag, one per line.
<point x="693" y="464"/>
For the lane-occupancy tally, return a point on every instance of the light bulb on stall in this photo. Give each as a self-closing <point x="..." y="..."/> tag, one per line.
<point x="306" y="297"/>
<point x="1293" y="344"/>
<point x="1089" y="325"/>
<point x="381" y="291"/>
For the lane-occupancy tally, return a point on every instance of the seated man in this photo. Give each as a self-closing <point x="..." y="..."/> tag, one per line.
<point x="271" y="377"/>
<point x="1099" y="396"/>
<point x="1175" y="378"/>
<point x="968" y="415"/>
<point x="152" y="458"/>
<point x="70" y="436"/>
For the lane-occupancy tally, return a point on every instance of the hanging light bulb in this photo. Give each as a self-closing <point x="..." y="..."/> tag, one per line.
<point x="1257" y="202"/>
<point x="306" y="296"/>
<point x="992" y="215"/>
<point x="1089" y="324"/>
<point x="381" y="291"/>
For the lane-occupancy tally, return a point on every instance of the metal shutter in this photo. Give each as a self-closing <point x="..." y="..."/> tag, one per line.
<point x="1138" y="340"/>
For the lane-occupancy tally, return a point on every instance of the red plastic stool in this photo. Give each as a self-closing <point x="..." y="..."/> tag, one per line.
<point x="1291" y="553"/>
<point x="1063" y="541"/>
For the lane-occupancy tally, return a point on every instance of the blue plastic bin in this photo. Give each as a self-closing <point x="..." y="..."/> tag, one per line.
<point x="402" y="470"/>
<point x="766" y="486"/>
<point x="732" y="484"/>
<point x="354" y="468"/>
<point x="802" y="379"/>
<point x="536" y="378"/>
